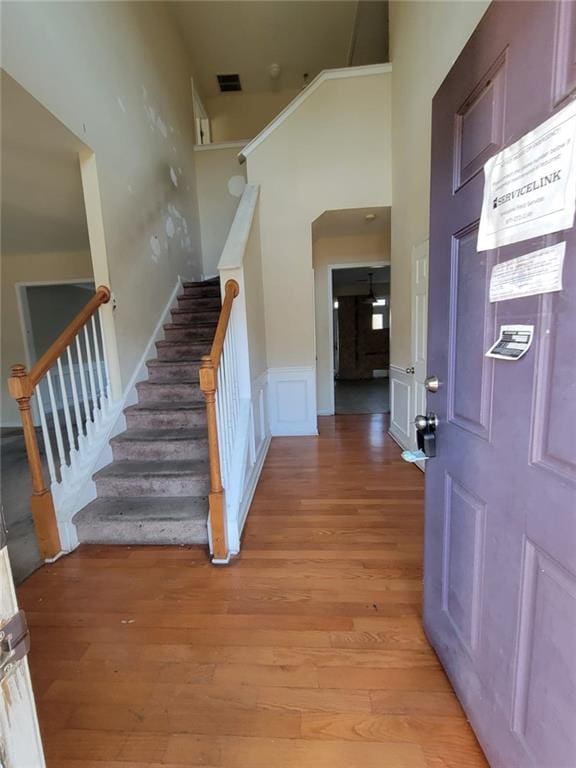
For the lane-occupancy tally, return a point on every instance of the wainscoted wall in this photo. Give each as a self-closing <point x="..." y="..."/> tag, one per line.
<point x="258" y="444"/>
<point x="401" y="407"/>
<point x="292" y="401"/>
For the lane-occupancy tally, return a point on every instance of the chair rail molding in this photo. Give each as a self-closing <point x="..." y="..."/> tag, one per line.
<point x="292" y="401"/>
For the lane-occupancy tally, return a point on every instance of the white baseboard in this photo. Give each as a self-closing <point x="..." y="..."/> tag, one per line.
<point x="292" y="401"/>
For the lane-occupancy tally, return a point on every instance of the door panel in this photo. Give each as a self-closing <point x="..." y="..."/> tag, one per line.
<point x="500" y="555"/>
<point x="471" y="326"/>
<point x="479" y="126"/>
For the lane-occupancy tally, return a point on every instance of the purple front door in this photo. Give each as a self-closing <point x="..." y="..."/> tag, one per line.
<point x="500" y="560"/>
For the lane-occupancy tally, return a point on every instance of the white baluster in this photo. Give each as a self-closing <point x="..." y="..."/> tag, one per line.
<point x="56" y="422"/>
<point x="229" y="383"/>
<point x="98" y="365"/>
<point x="85" y="400"/>
<point x="225" y="432"/>
<point x="228" y="395"/>
<point x="95" y="411"/>
<point x="236" y="379"/>
<point x="75" y="400"/>
<point x="221" y="429"/>
<point x="67" y="419"/>
<point x="105" y="356"/>
<point x="224" y="404"/>
<point x="45" y="434"/>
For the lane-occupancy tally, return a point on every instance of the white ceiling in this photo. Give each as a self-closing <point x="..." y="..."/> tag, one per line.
<point x="42" y="200"/>
<point x="246" y="37"/>
<point x="352" y="221"/>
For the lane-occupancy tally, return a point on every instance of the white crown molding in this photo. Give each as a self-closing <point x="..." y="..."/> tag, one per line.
<point x="220" y="145"/>
<point x="296" y="103"/>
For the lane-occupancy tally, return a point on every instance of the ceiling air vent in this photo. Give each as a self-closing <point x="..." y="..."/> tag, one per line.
<point x="229" y="83"/>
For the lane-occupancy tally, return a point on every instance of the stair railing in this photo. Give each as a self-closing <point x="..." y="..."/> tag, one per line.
<point x="70" y="379"/>
<point x="220" y="384"/>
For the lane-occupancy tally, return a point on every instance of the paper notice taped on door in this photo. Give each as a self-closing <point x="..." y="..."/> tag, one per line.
<point x="530" y="187"/>
<point x="536" y="272"/>
<point x="513" y="343"/>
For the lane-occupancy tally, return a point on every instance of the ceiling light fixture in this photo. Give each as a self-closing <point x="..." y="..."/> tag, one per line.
<point x="371" y="297"/>
<point x="274" y="71"/>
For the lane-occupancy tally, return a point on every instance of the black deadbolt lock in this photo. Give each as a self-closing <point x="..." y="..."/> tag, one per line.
<point x="426" y="433"/>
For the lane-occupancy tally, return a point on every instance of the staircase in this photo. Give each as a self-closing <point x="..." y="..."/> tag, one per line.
<point x="155" y="490"/>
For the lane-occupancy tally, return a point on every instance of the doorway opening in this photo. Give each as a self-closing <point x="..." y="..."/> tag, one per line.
<point x="46" y="308"/>
<point x="351" y="261"/>
<point x="361" y="339"/>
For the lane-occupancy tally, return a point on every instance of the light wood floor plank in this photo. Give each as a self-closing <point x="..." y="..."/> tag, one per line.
<point x="307" y="652"/>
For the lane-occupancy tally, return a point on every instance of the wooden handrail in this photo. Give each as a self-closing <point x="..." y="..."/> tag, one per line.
<point x="21" y="387"/>
<point x="209" y="385"/>
<point x="102" y="296"/>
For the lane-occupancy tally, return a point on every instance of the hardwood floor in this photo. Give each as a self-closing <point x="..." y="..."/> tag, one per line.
<point x="307" y="652"/>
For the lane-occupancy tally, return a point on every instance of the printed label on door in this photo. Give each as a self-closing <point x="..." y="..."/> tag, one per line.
<point x="530" y="187"/>
<point x="536" y="272"/>
<point x="513" y="343"/>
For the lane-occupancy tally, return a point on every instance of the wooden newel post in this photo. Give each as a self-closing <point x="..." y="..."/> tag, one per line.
<point x="43" y="513"/>
<point x="216" y="495"/>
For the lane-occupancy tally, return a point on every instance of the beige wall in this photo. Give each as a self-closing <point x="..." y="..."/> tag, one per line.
<point x="118" y="76"/>
<point x="425" y="40"/>
<point x="29" y="268"/>
<point x="238" y="116"/>
<point x="219" y="179"/>
<point x="352" y="249"/>
<point x="332" y="153"/>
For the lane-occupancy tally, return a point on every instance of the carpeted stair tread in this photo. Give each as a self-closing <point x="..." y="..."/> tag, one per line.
<point x="207" y="324"/>
<point x="167" y="520"/>
<point x="167" y="406"/>
<point x="160" y="434"/>
<point x="156" y="363"/>
<point x="195" y="343"/>
<point x="136" y="508"/>
<point x="157" y="468"/>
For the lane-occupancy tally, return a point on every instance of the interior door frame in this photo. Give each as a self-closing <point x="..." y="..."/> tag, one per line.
<point x="418" y="399"/>
<point x="331" y="268"/>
